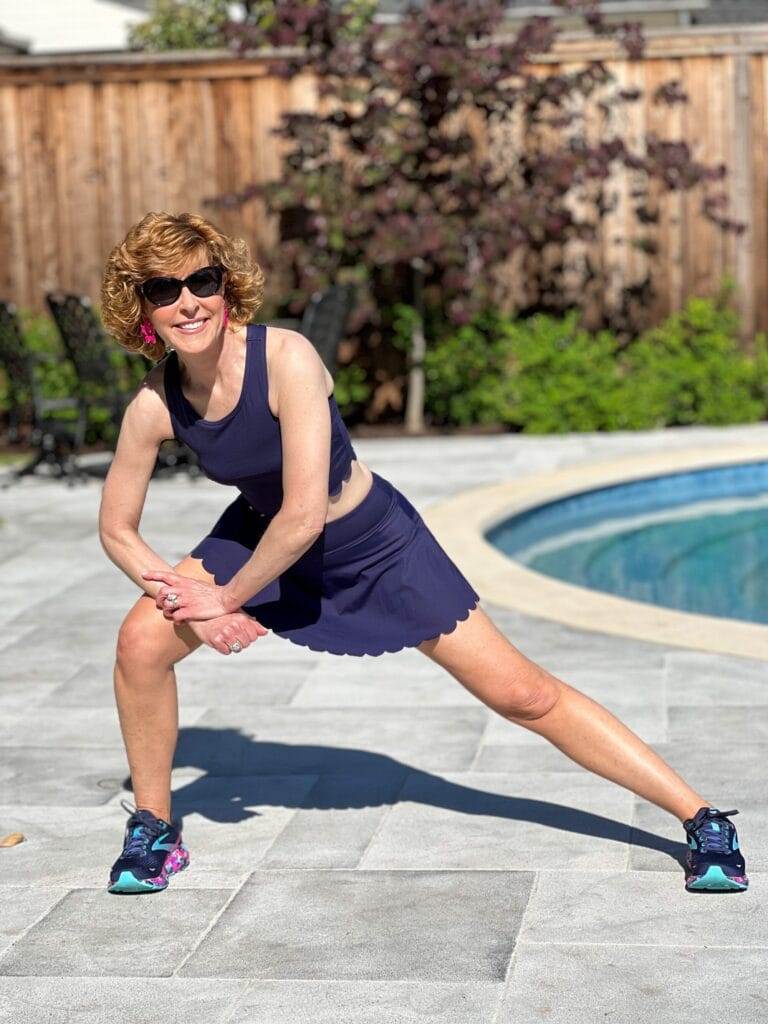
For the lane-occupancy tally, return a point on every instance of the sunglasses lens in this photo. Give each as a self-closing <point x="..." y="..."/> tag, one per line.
<point x="161" y="291"/>
<point x="205" y="282"/>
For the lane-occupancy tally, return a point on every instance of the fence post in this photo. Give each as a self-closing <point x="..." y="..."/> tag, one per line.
<point x="741" y="168"/>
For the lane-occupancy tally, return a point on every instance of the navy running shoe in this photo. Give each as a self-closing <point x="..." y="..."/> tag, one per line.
<point x="153" y="850"/>
<point x="713" y="862"/>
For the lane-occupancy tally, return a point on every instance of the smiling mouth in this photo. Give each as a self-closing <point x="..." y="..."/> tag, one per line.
<point x="191" y="325"/>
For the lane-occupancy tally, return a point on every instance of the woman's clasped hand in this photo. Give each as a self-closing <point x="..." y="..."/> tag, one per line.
<point x="206" y="609"/>
<point x="182" y="599"/>
<point x="228" y="630"/>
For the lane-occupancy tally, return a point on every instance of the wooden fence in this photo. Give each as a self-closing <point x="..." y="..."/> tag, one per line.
<point x="90" y="144"/>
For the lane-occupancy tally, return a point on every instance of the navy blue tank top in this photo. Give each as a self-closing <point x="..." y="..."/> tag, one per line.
<point x="244" y="448"/>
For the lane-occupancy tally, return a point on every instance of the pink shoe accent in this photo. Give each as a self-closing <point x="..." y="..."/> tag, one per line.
<point x="176" y="861"/>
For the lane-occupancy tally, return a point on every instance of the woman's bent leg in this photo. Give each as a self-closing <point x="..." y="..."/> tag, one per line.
<point x="148" y="647"/>
<point x="484" y="661"/>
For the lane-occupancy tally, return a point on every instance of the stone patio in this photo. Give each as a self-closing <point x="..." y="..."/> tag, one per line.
<point x="368" y="842"/>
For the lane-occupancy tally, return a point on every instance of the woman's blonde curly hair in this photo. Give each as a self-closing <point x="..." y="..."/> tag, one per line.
<point x="160" y="244"/>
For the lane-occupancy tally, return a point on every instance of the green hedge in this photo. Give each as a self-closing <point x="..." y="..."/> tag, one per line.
<point x="547" y="375"/>
<point x="541" y="375"/>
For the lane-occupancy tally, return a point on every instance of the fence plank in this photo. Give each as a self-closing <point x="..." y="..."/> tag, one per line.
<point x="13" y="268"/>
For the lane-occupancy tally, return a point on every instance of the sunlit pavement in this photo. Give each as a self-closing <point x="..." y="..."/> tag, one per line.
<point x="368" y="842"/>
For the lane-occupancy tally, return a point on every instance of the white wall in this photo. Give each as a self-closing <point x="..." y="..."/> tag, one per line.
<point x="64" y="26"/>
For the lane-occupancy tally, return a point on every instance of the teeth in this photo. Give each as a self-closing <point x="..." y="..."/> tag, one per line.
<point x="192" y="326"/>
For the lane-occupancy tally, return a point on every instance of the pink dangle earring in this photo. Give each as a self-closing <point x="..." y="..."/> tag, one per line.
<point x="226" y="316"/>
<point x="148" y="332"/>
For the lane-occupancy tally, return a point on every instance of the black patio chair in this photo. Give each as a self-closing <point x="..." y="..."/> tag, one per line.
<point x="89" y="348"/>
<point x="323" y="321"/>
<point x="56" y="439"/>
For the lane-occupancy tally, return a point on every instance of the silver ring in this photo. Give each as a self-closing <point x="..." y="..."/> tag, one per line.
<point x="173" y="598"/>
<point x="235" y="646"/>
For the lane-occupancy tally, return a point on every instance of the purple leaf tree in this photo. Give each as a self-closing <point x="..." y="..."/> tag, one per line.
<point x="439" y="158"/>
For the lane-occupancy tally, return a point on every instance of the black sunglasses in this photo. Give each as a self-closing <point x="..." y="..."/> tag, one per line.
<point x="163" y="291"/>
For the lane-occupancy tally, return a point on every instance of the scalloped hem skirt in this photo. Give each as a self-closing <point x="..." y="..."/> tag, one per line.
<point x="376" y="580"/>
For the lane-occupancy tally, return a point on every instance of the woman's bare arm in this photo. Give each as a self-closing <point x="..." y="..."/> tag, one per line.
<point x="306" y="437"/>
<point x="145" y="425"/>
<point x="305" y="427"/>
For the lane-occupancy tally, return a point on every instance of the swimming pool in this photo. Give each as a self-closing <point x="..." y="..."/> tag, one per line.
<point x="696" y="541"/>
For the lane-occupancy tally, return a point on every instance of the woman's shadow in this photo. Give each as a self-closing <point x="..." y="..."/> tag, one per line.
<point x="241" y="772"/>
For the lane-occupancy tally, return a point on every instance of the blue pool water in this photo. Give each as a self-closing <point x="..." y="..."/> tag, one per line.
<point x="695" y="541"/>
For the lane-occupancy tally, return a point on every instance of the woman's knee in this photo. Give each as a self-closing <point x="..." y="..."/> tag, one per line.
<point x="530" y="694"/>
<point x="480" y="657"/>
<point x="145" y="637"/>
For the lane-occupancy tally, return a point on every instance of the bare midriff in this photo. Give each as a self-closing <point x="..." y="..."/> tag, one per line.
<point x="353" y="490"/>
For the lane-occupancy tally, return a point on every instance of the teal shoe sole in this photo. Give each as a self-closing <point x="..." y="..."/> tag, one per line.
<point x="176" y="861"/>
<point x="716" y="880"/>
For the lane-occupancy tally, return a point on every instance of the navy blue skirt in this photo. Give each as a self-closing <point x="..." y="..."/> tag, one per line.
<point x="375" y="580"/>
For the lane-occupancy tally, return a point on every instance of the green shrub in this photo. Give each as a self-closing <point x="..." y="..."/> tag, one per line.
<point x="467" y="378"/>
<point x="548" y="375"/>
<point x="350" y="388"/>
<point x="690" y="369"/>
<point x="542" y="375"/>
<point x="565" y="378"/>
<point x="182" y="25"/>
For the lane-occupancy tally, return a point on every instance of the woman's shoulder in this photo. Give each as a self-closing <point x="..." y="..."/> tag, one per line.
<point x="285" y="347"/>
<point x="155" y="378"/>
<point x="148" y="405"/>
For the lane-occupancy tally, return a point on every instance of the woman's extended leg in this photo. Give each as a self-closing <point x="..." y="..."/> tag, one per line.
<point x="486" y="663"/>
<point x="148" y="646"/>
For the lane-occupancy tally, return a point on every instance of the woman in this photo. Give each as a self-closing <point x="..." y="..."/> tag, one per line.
<point x="316" y="547"/>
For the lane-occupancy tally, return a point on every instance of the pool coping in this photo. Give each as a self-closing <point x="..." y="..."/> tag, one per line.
<point x="459" y="524"/>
